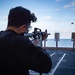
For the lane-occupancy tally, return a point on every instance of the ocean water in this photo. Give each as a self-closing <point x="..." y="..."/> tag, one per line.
<point x="61" y="43"/>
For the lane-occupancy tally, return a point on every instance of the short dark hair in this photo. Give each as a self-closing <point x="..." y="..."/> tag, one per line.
<point x="19" y="16"/>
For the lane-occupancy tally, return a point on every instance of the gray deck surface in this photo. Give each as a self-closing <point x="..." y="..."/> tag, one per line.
<point x="63" y="63"/>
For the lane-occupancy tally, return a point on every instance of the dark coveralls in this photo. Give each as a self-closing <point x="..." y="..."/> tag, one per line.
<point x="18" y="55"/>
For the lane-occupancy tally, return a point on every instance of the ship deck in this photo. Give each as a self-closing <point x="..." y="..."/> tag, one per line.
<point x="63" y="62"/>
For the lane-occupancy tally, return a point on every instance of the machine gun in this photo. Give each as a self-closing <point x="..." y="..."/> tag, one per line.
<point x="37" y="34"/>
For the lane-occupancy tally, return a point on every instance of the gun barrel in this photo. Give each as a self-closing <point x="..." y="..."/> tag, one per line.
<point x="28" y="34"/>
<point x="48" y="33"/>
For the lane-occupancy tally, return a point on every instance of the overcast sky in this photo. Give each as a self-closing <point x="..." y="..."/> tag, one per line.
<point x="53" y="15"/>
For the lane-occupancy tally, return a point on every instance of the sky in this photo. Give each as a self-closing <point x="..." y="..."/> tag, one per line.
<point x="54" y="15"/>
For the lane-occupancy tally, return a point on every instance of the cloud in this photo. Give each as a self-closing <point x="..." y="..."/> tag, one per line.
<point x="70" y="5"/>
<point x="58" y="0"/>
<point x="73" y="8"/>
<point x="5" y="18"/>
<point x="57" y="9"/>
<point x="47" y="17"/>
<point x="64" y="31"/>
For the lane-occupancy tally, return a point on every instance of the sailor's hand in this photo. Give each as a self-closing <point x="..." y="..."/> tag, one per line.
<point x="36" y="42"/>
<point x="45" y="35"/>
